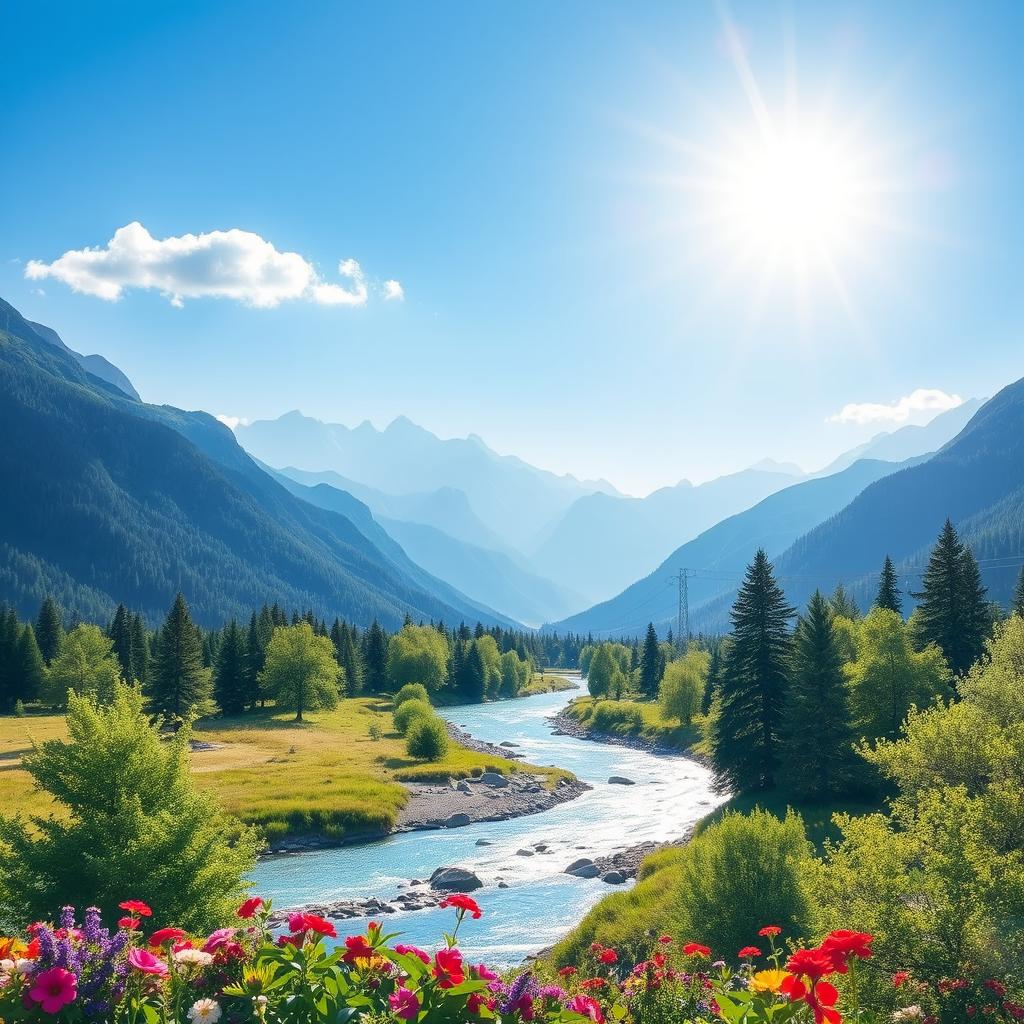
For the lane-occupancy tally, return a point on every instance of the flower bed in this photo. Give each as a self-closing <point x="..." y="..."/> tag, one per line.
<point x="136" y="974"/>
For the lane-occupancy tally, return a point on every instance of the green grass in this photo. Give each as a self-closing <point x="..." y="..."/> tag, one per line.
<point x="640" y="718"/>
<point x="547" y="682"/>
<point x="324" y="775"/>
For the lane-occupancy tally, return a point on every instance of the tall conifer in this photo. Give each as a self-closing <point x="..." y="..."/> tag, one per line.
<point x="889" y="590"/>
<point x="49" y="630"/>
<point x="180" y="681"/>
<point x="231" y="688"/>
<point x="752" y="695"/>
<point x="375" y="658"/>
<point x="652" y="666"/>
<point x="1017" y="605"/>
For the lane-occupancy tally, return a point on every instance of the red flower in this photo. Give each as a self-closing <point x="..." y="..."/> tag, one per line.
<point x="53" y="989"/>
<point x="664" y="939"/>
<point x="770" y="931"/>
<point x="900" y="978"/>
<point x="475" y="1002"/>
<point x="820" y="997"/>
<point x="249" y="907"/>
<point x="567" y="972"/>
<point x="129" y="924"/>
<point x="32" y="951"/>
<point x="136" y="907"/>
<point x="448" y="968"/>
<point x="843" y="944"/>
<point x="162" y="935"/>
<point x="696" y="949"/>
<point x="608" y="956"/>
<point x="357" y="948"/>
<point x="813" y="963"/>
<point x="311" y="923"/>
<point x="465" y="904"/>
<point x="749" y="952"/>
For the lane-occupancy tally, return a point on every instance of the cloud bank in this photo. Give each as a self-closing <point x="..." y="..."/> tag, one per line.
<point x="923" y="400"/>
<point x="235" y="264"/>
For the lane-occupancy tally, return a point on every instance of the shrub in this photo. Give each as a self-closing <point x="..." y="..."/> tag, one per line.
<point x="408" y="712"/>
<point x="617" y="716"/>
<point x="411" y="691"/>
<point x="374" y="732"/>
<point x="427" y="739"/>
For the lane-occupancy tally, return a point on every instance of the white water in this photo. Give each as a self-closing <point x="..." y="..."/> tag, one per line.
<point x="542" y="903"/>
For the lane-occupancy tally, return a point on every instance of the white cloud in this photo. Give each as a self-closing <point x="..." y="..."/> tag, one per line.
<point x="393" y="290"/>
<point x="923" y="400"/>
<point x="233" y="421"/>
<point x="233" y="264"/>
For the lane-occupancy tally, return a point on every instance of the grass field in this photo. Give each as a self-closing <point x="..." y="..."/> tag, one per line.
<point x="640" y="718"/>
<point x="325" y="775"/>
<point x="549" y="682"/>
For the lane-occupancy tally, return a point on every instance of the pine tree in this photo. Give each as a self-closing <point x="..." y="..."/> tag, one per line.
<point x="30" y="669"/>
<point x="952" y="612"/>
<point x="351" y="662"/>
<point x="473" y="684"/>
<point x="375" y="658"/>
<point x="9" y="678"/>
<point x="888" y="589"/>
<point x="49" y="630"/>
<point x="652" y="666"/>
<point x="819" y="759"/>
<point x="140" y="650"/>
<point x="120" y="634"/>
<point x="180" y="681"/>
<point x="231" y="674"/>
<point x="842" y="604"/>
<point x="714" y="679"/>
<point x="752" y="694"/>
<point x="1017" y="607"/>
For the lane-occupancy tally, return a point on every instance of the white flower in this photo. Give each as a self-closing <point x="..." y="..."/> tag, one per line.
<point x="6" y="966"/>
<point x="189" y="957"/>
<point x="204" y="1011"/>
<point x="907" y="1014"/>
<point x="24" y="966"/>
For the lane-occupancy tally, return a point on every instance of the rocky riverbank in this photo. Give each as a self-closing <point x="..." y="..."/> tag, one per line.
<point x="565" y="724"/>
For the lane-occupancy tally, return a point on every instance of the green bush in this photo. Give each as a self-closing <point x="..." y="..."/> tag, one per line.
<point x="408" y="712"/>
<point x="617" y="716"/>
<point x="427" y="739"/>
<point x="411" y="691"/>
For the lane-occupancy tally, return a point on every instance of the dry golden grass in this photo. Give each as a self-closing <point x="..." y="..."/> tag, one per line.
<point x="324" y="775"/>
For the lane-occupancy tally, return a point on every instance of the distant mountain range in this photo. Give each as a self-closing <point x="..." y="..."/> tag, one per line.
<point x="107" y="499"/>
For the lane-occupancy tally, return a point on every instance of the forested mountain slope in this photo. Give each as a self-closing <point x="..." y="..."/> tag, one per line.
<point x="106" y="499"/>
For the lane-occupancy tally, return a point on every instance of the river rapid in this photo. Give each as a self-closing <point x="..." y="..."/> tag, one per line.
<point x="541" y="902"/>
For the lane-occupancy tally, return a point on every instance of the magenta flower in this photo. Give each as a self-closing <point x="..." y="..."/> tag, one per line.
<point x="404" y="1003"/>
<point x="146" y="963"/>
<point x="413" y="951"/>
<point x="54" y="989"/>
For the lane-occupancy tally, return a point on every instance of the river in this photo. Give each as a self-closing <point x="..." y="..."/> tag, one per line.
<point x="541" y="903"/>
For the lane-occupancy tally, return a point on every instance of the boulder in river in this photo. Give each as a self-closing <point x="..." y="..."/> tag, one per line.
<point x="484" y="842"/>
<point x="495" y="779"/>
<point x="583" y="868"/>
<point x="507" y="743"/>
<point x="620" y="780"/>
<point x="524" y="853"/>
<point x="458" y="820"/>
<point x="453" y="879"/>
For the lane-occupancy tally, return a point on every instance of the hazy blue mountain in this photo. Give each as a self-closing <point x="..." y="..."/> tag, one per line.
<point x="94" y="364"/>
<point x="910" y="441"/>
<point x="512" y="498"/>
<point x="976" y="480"/>
<point x="106" y="499"/>
<point x="721" y="553"/>
<point x="447" y="509"/>
<point x="603" y="542"/>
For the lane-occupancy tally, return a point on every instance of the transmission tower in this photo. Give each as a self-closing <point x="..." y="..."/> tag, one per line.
<point x="683" y="615"/>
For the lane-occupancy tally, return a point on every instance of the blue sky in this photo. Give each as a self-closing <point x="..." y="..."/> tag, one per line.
<point x="536" y="176"/>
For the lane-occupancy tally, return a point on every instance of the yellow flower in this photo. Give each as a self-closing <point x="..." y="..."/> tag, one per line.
<point x="768" y="981"/>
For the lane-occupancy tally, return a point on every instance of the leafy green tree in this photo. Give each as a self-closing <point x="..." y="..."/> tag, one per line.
<point x="86" y="666"/>
<point x="889" y="590"/>
<point x="652" y="663"/>
<point x="375" y="658"/>
<point x="49" y="630"/>
<point x="427" y="739"/>
<point x="131" y="824"/>
<point x="300" y="671"/>
<point x="682" y="687"/>
<point x="180" y="685"/>
<point x="819" y="758"/>
<point x="599" y="676"/>
<point x="412" y="691"/>
<point x="231" y="673"/>
<point x="1017" y="606"/>
<point x="515" y="674"/>
<point x="417" y="654"/>
<point x="953" y="613"/>
<point x="745" y="733"/>
<point x="491" y="656"/>
<point x="410" y="711"/>
<point x="889" y="676"/>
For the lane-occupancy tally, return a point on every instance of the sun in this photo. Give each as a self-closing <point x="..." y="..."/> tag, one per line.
<point x="793" y="196"/>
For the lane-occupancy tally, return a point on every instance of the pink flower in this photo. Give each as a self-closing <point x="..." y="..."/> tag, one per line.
<point x="484" y="973"/>
<point x="145" y="962"/>
<point x="54" y="989"/>
<point x="413" y="951"/>
<point x="404" y="1003"/>
<point x="587" y="1007"/>
<point x="218" y="939"/>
